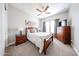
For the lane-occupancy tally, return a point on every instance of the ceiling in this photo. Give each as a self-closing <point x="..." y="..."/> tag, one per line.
<point x="30" y="8"/>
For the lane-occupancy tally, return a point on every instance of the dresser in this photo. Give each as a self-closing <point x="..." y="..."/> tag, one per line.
<point x="20" y="39"/>
<point x="64" y="34"/>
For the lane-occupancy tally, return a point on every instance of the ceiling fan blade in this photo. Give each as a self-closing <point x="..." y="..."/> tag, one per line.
<point x="47" y="13"/>
<point x="38" y="14"/>
<point x="38" y="10"/>
<point x="46" y="7"/>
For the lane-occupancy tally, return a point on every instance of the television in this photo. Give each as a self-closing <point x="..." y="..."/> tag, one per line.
<point x="60" y="24"/>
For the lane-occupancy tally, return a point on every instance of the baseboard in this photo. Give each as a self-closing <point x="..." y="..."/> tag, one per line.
<point x="75" y="49"/>
<point x="11" y="43"/>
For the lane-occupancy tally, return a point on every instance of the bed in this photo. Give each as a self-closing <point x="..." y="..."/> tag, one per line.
<point x="41" y="39"/>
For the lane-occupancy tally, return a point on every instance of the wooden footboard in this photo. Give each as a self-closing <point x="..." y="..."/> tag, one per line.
<point x="47" y="43"/>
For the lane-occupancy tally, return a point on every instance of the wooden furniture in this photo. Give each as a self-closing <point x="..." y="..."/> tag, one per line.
<point x="20" y="39"/>
<point x="46" y="42"/>
<point x="64" y="34"/>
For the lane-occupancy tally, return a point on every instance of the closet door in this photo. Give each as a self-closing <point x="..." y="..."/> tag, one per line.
<point x="5" y="23"/>
<point x="3" y="28"/>
<point x="1" y="43"/>
<point x="2" y="40"/>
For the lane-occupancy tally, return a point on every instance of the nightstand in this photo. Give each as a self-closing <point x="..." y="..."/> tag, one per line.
<point x="20" y="39"/>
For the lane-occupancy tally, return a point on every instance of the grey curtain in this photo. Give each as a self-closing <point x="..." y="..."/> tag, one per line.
<point x="56" y="24"/>
<point x="44" y="27"/>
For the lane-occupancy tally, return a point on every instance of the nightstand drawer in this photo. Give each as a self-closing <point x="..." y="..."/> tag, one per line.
<point x="20" y="39"/>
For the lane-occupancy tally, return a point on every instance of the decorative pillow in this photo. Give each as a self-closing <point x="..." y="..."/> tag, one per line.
<point x="28" y="31"/>
<point x="32" y="30"/>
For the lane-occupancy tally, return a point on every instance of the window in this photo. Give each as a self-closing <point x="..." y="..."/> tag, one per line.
<point x="50" y="26"/>
<point x="47" y="26"/>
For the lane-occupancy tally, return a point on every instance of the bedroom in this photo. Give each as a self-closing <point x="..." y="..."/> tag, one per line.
<point x="38" y="17"/>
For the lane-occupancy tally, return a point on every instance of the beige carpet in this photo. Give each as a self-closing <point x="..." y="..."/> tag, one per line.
<point x="56" y="48"/>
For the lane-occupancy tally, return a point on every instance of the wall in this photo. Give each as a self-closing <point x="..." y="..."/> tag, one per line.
<point x="61" y="16"/>
<point x="74" y="16"/>
<point x="34" y="19"/>
<point x="16" y="19"/>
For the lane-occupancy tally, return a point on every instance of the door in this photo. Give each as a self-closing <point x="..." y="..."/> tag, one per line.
<point x="3" y="28"/>
<point x="2" y="40"/>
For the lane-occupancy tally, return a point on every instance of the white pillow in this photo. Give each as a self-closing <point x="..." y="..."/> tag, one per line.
<point x="28" y="31"/>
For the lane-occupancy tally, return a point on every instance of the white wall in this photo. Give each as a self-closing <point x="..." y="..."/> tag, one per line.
<point x="35" y="20"/>
<point x="3" y="28"/>
<point x="61" y="16"/>
<point x="16" y="19"/>
<point x="74" y="16"/>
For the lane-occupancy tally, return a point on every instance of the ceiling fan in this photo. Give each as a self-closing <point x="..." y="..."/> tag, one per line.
<point x="43" y="10"/>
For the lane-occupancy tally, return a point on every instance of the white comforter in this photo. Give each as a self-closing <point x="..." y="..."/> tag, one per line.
<point x="38" y="39"/>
